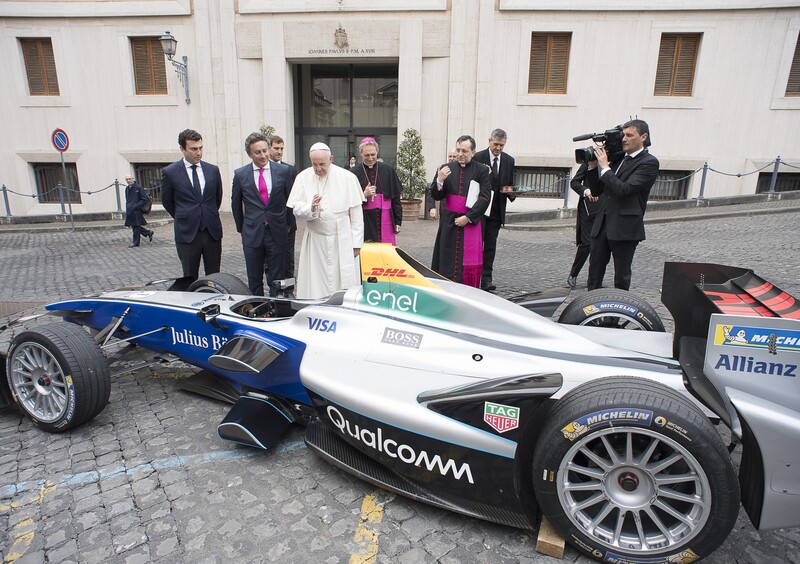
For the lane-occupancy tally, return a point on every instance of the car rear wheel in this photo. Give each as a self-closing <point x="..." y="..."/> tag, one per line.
<point x="628" y="469"/>
<point x="58" y="376"/>
<point x="220" y="283"/>
<point x="609" y="307"/>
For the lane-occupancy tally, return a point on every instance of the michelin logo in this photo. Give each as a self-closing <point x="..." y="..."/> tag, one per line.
<point x="757" y="337"/>
<point x="607" y="417"/>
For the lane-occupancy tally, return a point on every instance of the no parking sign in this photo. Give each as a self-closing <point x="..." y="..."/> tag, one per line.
<point x="60" y="140"/>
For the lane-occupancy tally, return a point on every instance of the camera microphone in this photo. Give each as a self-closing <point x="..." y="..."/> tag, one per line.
<point x="584" y="137"/>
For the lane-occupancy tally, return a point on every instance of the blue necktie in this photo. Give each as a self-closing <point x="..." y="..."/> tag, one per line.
<point x="196" y="180"/>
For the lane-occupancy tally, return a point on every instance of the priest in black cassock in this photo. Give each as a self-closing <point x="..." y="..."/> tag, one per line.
<point x="458" y="251"/>
<point x="383" y="212"/>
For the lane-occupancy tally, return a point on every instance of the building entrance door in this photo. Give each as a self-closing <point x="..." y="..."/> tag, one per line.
<point x="340" y="104"/>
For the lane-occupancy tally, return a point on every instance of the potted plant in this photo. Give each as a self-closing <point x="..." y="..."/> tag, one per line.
<point x="411" y="172"/>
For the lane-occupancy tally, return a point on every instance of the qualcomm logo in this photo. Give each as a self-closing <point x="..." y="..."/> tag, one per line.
<point x="406" y="453"/>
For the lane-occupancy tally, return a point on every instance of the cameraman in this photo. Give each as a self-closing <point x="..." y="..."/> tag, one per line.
<point x="619" y="225"/>
<point x="587" y="211"/>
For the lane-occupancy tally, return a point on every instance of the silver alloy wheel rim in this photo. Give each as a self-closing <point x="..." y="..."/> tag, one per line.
<point x="618" y="320"/>
<point x="634" y="490"/>
<point x="39" y="382"/>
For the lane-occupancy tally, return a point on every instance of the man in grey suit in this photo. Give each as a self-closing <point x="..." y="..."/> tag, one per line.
<point x="258" y="204"/>
<point x="619" y="224"/>
<point x="191" y="192"/>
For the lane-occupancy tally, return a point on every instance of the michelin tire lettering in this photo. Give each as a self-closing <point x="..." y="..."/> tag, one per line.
<point x="403" y="452"/>
<point x="604" y="418"/>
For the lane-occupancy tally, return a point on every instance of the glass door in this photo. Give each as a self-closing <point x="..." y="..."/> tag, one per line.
<point x="340" y="104"/>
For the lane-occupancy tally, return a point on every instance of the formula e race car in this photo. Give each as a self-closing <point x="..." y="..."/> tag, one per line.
<point x="469" y="402"/>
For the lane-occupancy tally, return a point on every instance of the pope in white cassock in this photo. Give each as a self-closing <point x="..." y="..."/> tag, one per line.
<point x="328" y="199"/>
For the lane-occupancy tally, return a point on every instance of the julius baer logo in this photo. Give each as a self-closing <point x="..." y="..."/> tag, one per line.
<point x="375" y="439"/>
<point x="186" y="337"/>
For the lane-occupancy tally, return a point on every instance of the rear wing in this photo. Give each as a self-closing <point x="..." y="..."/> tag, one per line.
<point x="693" y="292"/>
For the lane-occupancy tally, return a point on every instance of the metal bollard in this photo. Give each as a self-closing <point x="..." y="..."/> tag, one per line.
<point x="5" y="199"/>
<point x="61" y="197"/>
<point x="566" y="191"/>
<point x="774" y="178"/>
<point x="703" y="181"/>
<point x="116" y="189"/>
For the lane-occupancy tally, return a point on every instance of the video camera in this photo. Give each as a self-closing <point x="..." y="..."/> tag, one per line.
<point x="610" y="140"/>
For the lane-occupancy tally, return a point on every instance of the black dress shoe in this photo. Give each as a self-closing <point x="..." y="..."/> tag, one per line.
<point x="132" y="246"/>
<point x="572" y="281"/>
<point x="488" y="286"/>
<point x="150" y="236"/>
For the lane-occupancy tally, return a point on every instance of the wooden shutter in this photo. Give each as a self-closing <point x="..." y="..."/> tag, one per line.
<point x="677" y="60"/>
<point x="793" y="85"/>
<point x="149" y="69"/>
<point x="549" y="63"/>
<point x="40" y="66"/>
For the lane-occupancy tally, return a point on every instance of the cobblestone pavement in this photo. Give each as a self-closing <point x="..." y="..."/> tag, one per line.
<point x="149" y="481"/>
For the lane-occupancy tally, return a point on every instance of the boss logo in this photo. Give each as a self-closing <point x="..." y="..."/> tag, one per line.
<point x="401" y="338"/>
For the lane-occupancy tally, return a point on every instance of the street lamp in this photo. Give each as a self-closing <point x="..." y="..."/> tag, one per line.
<point x="168" y="44"/>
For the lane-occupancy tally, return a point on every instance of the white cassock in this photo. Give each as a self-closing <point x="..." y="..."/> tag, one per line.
<point x="332" y="232"/>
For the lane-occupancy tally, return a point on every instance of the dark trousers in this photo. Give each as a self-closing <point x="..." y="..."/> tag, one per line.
<point x="138" y="231"/>
<point x="266" y="259"/>
<point x="204" y="246"/>
<point x="491" y="229"/>
<point x="602" y="249"/>
<point x="582" y="252"/>
<point x="289" y="262"/>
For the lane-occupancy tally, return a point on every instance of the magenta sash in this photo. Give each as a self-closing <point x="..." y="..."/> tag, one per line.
<point x="387" y="230"/>
<point x="472" y="261"/>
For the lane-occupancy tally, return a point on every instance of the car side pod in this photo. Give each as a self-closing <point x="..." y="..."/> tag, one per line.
<point x="254" y="421"/>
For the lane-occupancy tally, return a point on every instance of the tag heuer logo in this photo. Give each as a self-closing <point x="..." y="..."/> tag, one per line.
<point x="501" y="418"/>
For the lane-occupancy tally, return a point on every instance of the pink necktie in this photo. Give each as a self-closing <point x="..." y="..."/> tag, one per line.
<point x="262" y="187"/>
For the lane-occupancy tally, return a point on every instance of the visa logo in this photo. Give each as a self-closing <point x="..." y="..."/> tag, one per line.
<point x="324" y="325"/>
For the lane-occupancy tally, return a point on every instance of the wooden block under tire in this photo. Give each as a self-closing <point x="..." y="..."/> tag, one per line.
<point x="548" y="541"/>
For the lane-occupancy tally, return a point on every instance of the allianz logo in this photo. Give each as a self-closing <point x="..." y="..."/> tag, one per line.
<point x="404" y="452"/>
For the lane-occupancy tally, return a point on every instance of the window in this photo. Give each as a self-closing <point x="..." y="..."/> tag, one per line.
<point x="40" y="65"/>
<point x="541" y="182"/>
<point x="671" y="185"/>
<point x="677" y="58"/>
<point x="48" y="176"/>
<point x="793" y="85"/>
<point x="149" y="176"/>
<point x="549" y="63"/>
<point x="786" y="182"/>
<point x="149" y="68"/>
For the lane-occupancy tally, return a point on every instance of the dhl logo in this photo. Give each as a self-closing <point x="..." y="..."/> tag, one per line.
<point x="390" y="272"/>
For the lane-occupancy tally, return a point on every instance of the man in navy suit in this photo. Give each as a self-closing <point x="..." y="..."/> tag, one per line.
<point x="619" y="224"/>
<point x="191" y="192"/>
<point x="501" y="166"/>
<point x="276" y="147"/>
<point x="258" y="203"/>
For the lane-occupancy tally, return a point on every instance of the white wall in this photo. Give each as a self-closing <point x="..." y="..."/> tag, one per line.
<point x="463" y="69"/>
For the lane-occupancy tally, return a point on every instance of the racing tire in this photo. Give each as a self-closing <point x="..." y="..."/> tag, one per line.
<point x="220" y="283"/>
<point x="627" y="469"/>
<point x="609" y="307"/>
<point x="58" y="376"/>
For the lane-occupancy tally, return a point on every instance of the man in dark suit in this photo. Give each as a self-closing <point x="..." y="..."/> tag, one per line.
<point x="588" y="206"/>
<point x="619" y="225"/>
<point x="135" y="198"/>
<point x="258" y="204"/>
<point x="276" y="147"/>
<point x="501" y="165"/>
<point x="191" y="192"/>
